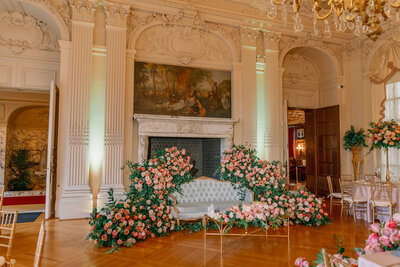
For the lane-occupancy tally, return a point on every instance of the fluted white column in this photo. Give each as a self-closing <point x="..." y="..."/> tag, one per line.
<point x="237" y="102"/>
<point x="76" y="198"/>
<point x="116" y="16"/>
<point x="273" y="98"/>
<point x="249" y="86"/>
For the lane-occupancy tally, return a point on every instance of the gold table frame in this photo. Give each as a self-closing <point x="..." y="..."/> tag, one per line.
<point x="222" y="227"/>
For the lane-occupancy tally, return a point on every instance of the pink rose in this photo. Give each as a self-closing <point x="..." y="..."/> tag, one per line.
<point x="119" y="241"/>
<point x="385" y="241"/>
<point x="301" y="262"/>
<point x="372" y="239"/>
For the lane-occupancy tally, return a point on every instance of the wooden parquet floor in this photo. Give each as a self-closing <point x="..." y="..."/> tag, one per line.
<point x="66" y="246"/>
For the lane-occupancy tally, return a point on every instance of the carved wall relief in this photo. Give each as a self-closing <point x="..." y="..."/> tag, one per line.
<point x="182" y="43"/>
<point x="20" y="32"/>
<point x="298" y="68"/>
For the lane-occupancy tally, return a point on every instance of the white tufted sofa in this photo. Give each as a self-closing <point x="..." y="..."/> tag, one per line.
<point x="200" y="193"/>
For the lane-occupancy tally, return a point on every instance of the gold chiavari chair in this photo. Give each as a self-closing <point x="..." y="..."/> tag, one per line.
<point x="8" y="222"/>
<point x="359" y="204"/>
<point x="332" y="261"/>
<point x="334" y="198"/>
<point x="347" y="177"/>
<point x="382" y="197"/>
<point x="39" y="245"/>
<point x="346" y="191"/>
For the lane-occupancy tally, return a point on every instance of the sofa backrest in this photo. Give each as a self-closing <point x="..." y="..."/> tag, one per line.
<point x="205" y="189"/>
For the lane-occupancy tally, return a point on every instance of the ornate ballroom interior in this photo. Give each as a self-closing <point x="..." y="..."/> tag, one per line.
<point x="95" y="94"/>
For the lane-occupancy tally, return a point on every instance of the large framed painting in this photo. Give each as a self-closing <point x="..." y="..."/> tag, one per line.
<point x="182" y="91"/>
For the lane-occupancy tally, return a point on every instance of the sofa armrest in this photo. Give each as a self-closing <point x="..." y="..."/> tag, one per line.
<point x="174" y="206"/>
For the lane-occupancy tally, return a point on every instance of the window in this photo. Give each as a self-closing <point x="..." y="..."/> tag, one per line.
<point x="392" y="111"/>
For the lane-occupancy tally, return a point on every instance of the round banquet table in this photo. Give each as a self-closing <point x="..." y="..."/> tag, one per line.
<point x="364" y="190"/>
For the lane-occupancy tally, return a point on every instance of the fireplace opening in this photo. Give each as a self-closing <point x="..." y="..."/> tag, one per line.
<point x="204" y="152"/>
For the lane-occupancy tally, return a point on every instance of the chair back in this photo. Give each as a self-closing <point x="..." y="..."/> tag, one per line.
<point x="329" y="179"/>
<point x="383" y="192"/>
<point x="347" y="177"/>
<point x="2" y="197"/>
<point x="332" y="261"/>
<point x="39" y="245"/>
<point x="8" y="222"/>
<point x="346" y="187"/>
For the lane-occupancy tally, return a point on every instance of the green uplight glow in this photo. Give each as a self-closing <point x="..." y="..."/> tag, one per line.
<point x="96" y="124"/>
<point x="261" y="109"/>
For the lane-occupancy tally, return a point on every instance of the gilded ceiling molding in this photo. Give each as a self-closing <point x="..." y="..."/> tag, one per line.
<point x="33" y="34"/>
<point x="83" y="10"/>
<point x="116" y="14"/>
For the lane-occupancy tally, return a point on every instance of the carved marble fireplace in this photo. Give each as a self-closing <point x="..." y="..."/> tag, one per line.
<point x="179" y="126"/>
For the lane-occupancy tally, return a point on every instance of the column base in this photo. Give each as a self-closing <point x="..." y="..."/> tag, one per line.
<point x="75" y="203"/>
<point x="119" y="194"/>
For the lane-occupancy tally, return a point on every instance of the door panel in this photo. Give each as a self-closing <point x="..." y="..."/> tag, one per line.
<point x="328" y="143"/>
<point x="311" y="180"/>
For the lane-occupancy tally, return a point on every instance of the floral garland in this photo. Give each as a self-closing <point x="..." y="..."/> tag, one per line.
<point x="385" y="134"/>
<point x="147" y="208"/>
<point x="309" y="209"/>
<point x="240" y="165"/>
<point x="259" y="214"/>
<point x="146" y="211"/>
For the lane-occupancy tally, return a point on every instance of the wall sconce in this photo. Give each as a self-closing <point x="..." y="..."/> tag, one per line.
<point x="300" y="147"/>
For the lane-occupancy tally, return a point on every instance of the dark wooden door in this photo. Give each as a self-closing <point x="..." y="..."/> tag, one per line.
<point x="311" y="167"/>
<point x="328" y="147"/>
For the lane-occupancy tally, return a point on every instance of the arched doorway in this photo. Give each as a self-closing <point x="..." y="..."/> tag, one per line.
<point x="310" y="87"/>
<point x="32" y="61"/>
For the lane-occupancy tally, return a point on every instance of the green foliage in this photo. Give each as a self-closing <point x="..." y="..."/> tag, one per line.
<point x="19" y="165"/>
<point x="354" y="139"/>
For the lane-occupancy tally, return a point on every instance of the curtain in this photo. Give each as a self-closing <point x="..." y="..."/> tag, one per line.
<point x="386" y="61"/>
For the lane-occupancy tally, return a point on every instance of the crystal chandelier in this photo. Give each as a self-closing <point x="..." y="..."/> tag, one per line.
<point x="359" y="16"/>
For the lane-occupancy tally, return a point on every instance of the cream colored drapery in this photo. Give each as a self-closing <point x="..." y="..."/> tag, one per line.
<point x="386" y="60"/>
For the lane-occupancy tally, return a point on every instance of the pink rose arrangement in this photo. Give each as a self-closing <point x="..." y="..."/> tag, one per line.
<point x="309" y="209"/>
<point x="258" y="214"/>
<point x="385" y="236"/>
<point x="242" y="167"/>
<point x="146" y="212"/>
<point x="384" y="134"/>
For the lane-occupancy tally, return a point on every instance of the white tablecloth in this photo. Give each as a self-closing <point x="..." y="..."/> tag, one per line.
<point x="365" y="191"/>
<point x="379" y="259"/>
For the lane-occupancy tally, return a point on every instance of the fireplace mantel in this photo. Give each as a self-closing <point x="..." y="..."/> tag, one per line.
<point x="181" y="126"/>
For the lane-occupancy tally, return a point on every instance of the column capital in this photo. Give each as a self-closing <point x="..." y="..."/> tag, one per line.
<point x="249" y="36"/>
<point x="83" y="10"/>
<point x="271" y="39"/>
<point x="116" y="14"/>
